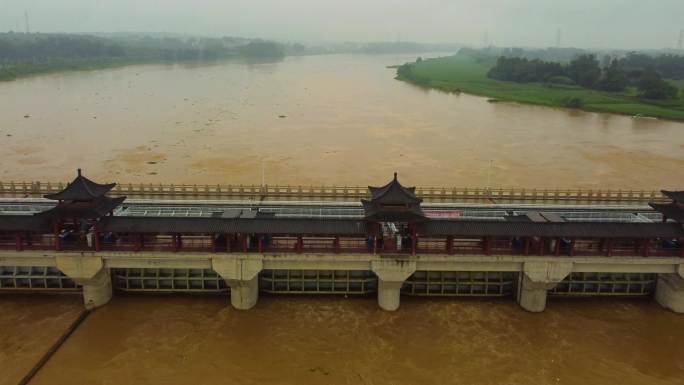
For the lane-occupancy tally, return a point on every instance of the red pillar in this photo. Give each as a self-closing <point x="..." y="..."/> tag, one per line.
<point x="213" y="243"/>
<point x="98" y="245"/>
<point x="556" y="251"/>
<point x="541" y="246"/>
<point x="58" y="243"/>
<point x="174" y="242"/>
<point x="646" y="245"/>
<point x="138" y="242"/>
<point x="300" y="244"/>
<point x="450" y="244"/>
<point x="229" y="240"/>
<point x="609" y="247"/>
<point x="17" y="239"/>
<point x="487" y="244"/>
<point x="572" y="247"/>
<point x="245" y="246"/>
<point x="337" y="244"/>
<point x="526" y="249"/>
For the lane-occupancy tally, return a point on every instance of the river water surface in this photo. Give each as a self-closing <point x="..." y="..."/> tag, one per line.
<point x="333" y="120"/>
<point x="332" y="340"/>
<point x="337" y="119"/>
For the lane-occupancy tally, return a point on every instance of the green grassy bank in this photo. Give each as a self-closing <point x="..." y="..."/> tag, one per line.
<point x="464" y="74"/>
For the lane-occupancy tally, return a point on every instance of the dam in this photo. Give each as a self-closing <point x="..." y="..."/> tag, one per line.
<point x="391" y="244"/>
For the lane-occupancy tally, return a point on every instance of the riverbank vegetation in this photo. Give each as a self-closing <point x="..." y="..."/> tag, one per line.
<point x="28" y="54"/>
<point x="620" y="87"/>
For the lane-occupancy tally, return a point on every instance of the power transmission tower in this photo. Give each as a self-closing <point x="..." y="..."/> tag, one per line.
<point x="26" y="20"/>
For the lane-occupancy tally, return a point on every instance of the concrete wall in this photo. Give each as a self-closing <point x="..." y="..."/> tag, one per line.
<point x="240" y="271"/>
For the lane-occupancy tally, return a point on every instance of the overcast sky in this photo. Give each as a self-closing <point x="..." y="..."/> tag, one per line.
<point x="584" y="23"/>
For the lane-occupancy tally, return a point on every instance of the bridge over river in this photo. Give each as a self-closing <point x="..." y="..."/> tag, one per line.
<point x="243" y="241"/>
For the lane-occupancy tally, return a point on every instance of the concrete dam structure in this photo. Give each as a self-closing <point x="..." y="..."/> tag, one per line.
<point x="391" y="245"/>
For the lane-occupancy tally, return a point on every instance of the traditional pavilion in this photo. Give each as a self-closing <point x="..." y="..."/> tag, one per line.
<point x="393" y="211"/>
<point x="673" y="210"/>
<point x="393" y="203"/>
<point x="79" y="208"/>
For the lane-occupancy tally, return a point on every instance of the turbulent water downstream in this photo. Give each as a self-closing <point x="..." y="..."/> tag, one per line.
<point x="338" y="119"/>
<point x="300" y="341"/>
<point x="332" y="120"/>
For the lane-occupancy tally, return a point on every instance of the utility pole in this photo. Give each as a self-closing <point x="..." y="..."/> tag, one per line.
<point x="263" y="173"/>
<point x="26" y="20"/>
<point x="489" y="174"/>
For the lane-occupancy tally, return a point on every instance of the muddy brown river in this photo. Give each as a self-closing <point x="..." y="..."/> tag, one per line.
<point x="337" y="119"/>
<point x="331" y="340"/>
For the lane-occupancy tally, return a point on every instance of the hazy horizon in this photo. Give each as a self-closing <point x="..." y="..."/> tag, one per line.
<point x="611" y="24"/>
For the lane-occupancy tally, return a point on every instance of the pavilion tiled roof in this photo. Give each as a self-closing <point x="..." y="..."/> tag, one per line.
<point x="25" y="223"/>
<point x="551" y="229"/>
<point x="393" y="203"/>
<point x="81" y="189"/>
<point x="83" y="209"/>
<point x="394" y="192"/>
<point x="281" y="226"/>
<point x="677" y="196"/>
<point x="673" y="210"/>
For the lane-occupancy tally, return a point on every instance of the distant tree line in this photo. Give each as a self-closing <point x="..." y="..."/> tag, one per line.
<point x="644" y="72"/>
<point x="24" y="54"/>
<point x="39" y="48"/>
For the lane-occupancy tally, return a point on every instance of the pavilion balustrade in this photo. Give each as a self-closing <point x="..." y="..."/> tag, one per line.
<point x="426" y="245"/>
<point x="318" y="245"/>
<point x="281" y="244"/>
<point x="8" y="241"/>
<point x="260" y="243"/>
<point x="355" y="245"/>
<point x="468" y="245"/>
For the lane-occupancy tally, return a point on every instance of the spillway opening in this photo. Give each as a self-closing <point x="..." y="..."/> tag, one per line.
<point x="605" y="284"/>
<point x="461" y="284"/>
<point x="35" y="278"/>
<point x="349" y="282"/>
<point x="168" y="280"/>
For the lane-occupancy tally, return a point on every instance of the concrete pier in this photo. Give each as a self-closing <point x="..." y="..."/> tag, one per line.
<point x="537" y="279"/>
<point x="670" y="292"/>
<point x="89" y="272"/>
<point x="241" y="271"/>
<point x="242" y="275"/>
<point x="391" y="276"/>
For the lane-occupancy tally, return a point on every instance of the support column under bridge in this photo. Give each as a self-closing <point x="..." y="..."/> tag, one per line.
<point x="89" y="272"/>
<point x="391" y="276"/>
<point x="670" y="290"/>
<point x="537" y="278"/>
<point x="242" y="275"/>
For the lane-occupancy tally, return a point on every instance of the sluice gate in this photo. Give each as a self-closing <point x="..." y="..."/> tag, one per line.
<point x="346" y="282"/>
<point x="318" y="282"/>
<point x="168" y="280"/>
<point x="35" y="278"/>
<point x="605" y="284"/>
<point x="461" y="284"/>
